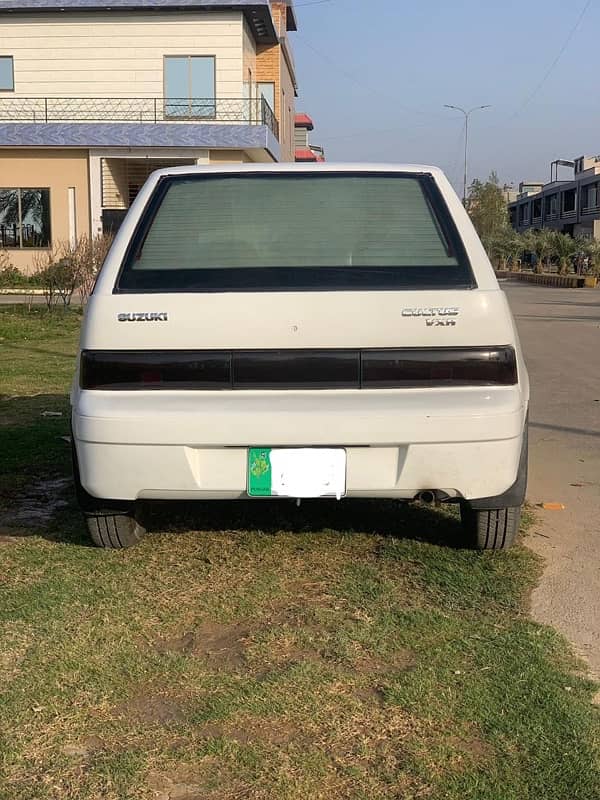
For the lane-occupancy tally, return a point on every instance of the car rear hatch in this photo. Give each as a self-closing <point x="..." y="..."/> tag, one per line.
<point x="313" y="308"/>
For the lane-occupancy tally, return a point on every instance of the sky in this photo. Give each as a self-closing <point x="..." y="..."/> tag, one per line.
<point x="375" y="74"/>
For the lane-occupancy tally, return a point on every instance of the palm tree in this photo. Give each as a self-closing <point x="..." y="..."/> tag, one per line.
<point x="540" y="243"/>
<point x="504" y="246"/>
<point x="564" y="248"/>
<point x="591" y="249"/>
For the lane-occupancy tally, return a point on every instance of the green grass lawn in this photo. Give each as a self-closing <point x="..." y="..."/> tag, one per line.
<point x="257" y="650"/>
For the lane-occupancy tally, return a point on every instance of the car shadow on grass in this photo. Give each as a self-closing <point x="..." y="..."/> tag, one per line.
<point x="439" y="526"/>
<point x="388" y="518"/>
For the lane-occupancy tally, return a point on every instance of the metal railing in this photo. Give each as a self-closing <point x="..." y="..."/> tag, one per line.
<point x="151" y="110"/>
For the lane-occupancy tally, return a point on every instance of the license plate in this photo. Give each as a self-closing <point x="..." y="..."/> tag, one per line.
<point x="300" y="473"/>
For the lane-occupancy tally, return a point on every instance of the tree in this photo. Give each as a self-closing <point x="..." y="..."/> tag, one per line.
<point x="591" y="250"/>
<point x="564" y="248"/>
<point x="488" y="209"/>
<point x="505" y="246"/>
<point x="541" y="243"/>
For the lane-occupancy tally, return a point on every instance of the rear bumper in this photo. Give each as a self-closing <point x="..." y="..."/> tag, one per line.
<point x="467" y="443"/>
<point x="128" y="472"/>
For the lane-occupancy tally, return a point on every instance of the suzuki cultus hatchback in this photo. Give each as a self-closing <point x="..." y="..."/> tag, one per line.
<point x="299" y="331"/>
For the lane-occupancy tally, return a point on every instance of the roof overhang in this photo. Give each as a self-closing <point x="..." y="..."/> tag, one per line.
<point x="305" y="155"/>
<point x="257" y="12"/>
<point x="291" y="21"/>
<point x="303" y="121"/>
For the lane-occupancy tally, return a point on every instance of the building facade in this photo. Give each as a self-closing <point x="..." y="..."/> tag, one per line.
<point x="94" y="97"/>
<point x="305" y="151"/>
<point x="570" y="206"/>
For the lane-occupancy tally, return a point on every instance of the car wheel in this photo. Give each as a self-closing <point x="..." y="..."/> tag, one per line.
<point x="110" y="524"/>
<point x="114" y="531"/>
<point x="494" y="529"/>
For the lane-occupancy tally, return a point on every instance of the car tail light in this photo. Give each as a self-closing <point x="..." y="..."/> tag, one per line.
<point x="155" y="369"/>
<point x="297" y="369"/>
<point x="439" y="367"/>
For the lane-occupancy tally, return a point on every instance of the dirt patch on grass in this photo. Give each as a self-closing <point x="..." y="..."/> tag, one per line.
<point x="251" y="730"/>
<point x="207" y="780"/>
<point x="471" y="748"/>
<point x="36" y="504"/>
<point x="399" y="661"/>
<point x="372" y="739"/>
<point x="222" y="646"/>
<point x="151" y="709"/>
<point x="83" y="749"/>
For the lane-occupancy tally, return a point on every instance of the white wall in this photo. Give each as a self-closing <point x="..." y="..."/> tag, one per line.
<point x="249" y="57"/>
<point x="118" y="54"/>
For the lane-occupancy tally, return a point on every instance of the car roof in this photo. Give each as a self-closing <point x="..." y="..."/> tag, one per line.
<point x="417" y="169"/>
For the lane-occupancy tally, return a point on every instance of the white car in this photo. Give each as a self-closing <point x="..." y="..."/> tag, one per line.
<point x="299" y="331"/>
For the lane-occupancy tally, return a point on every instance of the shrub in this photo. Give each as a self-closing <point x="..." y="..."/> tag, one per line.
<point x="12" y="278"/>
<point x="67" y="268"/>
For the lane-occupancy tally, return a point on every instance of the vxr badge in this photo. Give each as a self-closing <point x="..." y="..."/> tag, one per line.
<point x="441" y="323"/>
<point x="434" y="317"/>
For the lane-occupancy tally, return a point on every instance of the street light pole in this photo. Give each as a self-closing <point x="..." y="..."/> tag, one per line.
<point x="467" y="115"/>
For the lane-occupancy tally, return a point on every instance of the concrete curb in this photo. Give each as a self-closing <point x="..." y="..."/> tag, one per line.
<point x="24" y="292"/>
<point x="560" y="281"/>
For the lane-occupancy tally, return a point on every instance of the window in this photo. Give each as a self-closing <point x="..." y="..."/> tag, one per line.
<point x="314" y="232"/>
<point x="569" y="201"/>
<point x="190" y="87"/>
<point x="7" y="74"/>
<point x="267" y="90"/>
<point x="551" y="209"/>
<point x="301" y="138"/>
<point x="591" y="196"/>
<point x="24" y="218"/>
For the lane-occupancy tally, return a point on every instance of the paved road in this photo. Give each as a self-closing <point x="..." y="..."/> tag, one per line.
<point x="38" y="300"/>
<point x="560" y="333"/>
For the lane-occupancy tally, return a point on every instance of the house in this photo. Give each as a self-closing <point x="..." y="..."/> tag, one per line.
<point x="305" y="151"/>
<point x="95" y="96"/>
<point x="571" y="206"/>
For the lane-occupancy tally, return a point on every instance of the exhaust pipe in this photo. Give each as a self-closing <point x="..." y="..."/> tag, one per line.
<point x="428" y="497"/>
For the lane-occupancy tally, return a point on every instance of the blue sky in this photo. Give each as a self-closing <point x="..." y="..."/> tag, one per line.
<point x="375" y="74"/>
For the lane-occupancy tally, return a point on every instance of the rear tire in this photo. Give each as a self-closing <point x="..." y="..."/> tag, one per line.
<point x="110" y="524"/>
<point x="114" y="531"/>
<point x="495" y="529"/>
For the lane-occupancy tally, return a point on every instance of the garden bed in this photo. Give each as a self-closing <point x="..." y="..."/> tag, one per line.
<point x="551" y="279"/>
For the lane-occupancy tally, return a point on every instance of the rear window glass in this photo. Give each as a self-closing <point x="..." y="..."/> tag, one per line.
<point x="304" y="231"/>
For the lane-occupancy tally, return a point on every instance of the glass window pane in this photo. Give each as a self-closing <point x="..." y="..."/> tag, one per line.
<point x="202" y="87"/>
<point x="267" y="90"/>
<point x="177" y="86"/>
<point x="284" y="222"/>
<point x="35" y="217"/>
<point x="9" y="218"/>
<point x="7" y="81"/>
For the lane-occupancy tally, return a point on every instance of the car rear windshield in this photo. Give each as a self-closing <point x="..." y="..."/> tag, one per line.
<point x="288" y="232"/>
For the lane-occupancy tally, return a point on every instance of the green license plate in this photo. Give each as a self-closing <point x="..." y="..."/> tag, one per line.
<point x="296" y="472"/>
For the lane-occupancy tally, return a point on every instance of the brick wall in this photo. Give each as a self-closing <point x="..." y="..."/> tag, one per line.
<point x="271" y="67"/>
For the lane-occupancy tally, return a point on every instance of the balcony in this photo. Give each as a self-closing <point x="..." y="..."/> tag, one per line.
<point x="145" y="110"/>
<point x="148" y="122"/>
